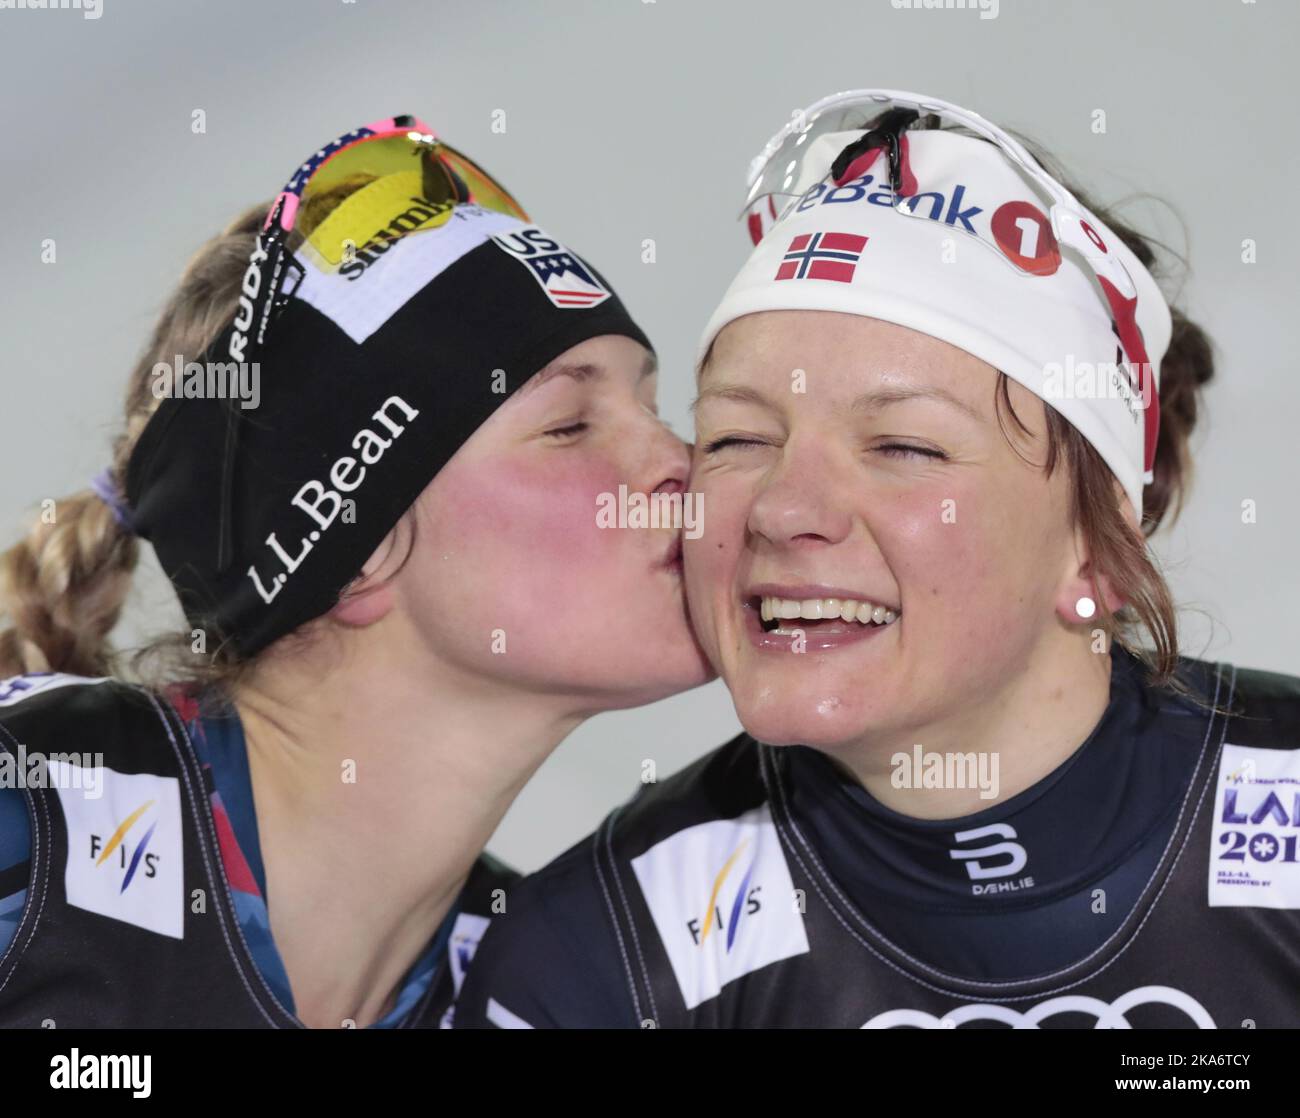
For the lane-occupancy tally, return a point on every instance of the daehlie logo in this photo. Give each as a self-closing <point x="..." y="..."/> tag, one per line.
<point x="979" y="870"/>
<point x="744" y="902"/>
<point x="322" y="504"/>
<point x="358" y="259"/>
<point x="128" y="860"/>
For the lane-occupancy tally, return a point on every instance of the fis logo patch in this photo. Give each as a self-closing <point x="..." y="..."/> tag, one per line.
<point x="567" y="281"/>
<point x="722" y="901"/>
<point x="823" y="256"/>
<point x="729" y="902"/>
<point x="1255" y="842"/>
<point x="125" y="854"/>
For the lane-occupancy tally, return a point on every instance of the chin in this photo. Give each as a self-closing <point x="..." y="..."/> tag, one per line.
<point x="822" y="722"/>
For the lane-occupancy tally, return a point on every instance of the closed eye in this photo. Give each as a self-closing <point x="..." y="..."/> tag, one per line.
<point x="730" y="440"/>
<point x="571" y="429"/>
<point x="902" y="450"/>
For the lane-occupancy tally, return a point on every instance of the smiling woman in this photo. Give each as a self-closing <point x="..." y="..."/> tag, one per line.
<point x="913" y="489"/>
<point x="921" y="556"/>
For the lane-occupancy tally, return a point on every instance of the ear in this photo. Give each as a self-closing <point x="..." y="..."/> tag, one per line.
<point x="1084" y="582"/>
<point x="366" y="600"/>
<point x="361" y="608"/>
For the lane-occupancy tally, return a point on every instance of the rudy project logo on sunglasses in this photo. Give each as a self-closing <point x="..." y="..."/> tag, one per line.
<point x="125" y="851"/>
<point x="566" y="280"/>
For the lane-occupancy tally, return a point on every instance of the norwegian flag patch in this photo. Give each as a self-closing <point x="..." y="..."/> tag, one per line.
<point x="823" y="256"/>
<point x="567" y="281"/>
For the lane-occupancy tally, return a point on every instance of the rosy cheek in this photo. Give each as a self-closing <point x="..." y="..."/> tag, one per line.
<point x="532" y="510"/>
<point x="952" y="568"/>
<point x="712" y="560"/>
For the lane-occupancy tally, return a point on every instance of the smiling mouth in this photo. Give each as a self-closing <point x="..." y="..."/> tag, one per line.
<point x="829" y="616"/>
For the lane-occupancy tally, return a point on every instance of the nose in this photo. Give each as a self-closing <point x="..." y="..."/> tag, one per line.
<point x="668" y="457"/>
<point x="796" y="505"/>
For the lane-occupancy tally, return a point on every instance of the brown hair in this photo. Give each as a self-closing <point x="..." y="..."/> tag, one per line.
<point x="1116" y="551"/>
<point x="64" y="585"/>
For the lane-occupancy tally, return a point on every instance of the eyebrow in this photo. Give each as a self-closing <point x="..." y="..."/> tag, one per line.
<point x="868" y="401"/>
<point x="883" y="397"/>
<point x="584" y="372"/>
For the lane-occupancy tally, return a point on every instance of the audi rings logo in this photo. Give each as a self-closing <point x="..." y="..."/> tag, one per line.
<point x="1109" y="1016"/>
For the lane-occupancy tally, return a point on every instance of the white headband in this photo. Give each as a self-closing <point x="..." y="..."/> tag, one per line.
<point x="847" y="249"/>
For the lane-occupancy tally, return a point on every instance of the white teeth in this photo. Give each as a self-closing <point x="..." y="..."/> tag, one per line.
<point x="816" y="609"/>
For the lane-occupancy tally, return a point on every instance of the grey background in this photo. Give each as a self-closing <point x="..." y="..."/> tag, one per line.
<point x="629" y="120"/>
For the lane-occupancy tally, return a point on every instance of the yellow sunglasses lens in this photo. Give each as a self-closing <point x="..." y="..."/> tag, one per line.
<point x="373" y="192"/>
<point x="384" y="187"/>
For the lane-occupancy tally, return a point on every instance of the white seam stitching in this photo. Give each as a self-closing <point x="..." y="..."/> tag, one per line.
<point x="221" y="880"/>
<point x="37" y="805"/>
<point x="613" y="914"/>
<point x="631" y="922"/>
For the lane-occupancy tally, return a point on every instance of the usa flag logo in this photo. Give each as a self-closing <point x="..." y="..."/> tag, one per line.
<point x="567" y="281"/>
<point x="824" y="256"/>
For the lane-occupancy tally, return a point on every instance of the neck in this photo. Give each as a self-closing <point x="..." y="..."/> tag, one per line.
<point x="1016" y="735"/>
<point x="378" y="777"/>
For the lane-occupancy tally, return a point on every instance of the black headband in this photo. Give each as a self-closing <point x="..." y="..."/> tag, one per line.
<point x="370" y="420"/>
